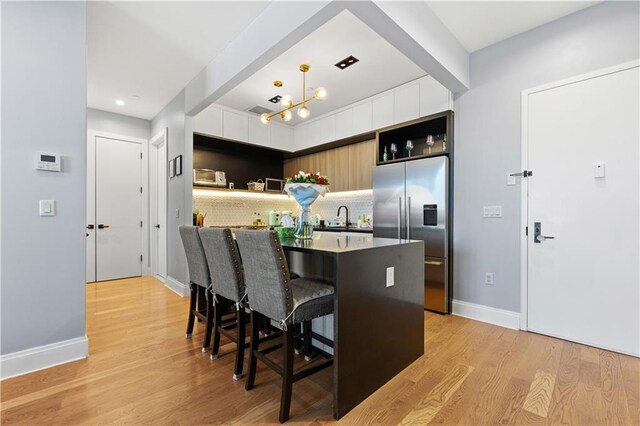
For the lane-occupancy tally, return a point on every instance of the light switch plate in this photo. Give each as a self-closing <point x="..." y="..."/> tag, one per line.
<point x="598" y="170"/>
<point x="47" y="208"/>
<point x="390" y="276"/>
<point x="492" y="211"/>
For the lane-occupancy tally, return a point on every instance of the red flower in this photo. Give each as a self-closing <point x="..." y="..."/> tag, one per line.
<point x="319" y="180"/>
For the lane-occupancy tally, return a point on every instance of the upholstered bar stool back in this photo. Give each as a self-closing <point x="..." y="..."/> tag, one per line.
<point x="196" y="260"/>
<point x="223" y="259"/>
<point x="266" y="273"/>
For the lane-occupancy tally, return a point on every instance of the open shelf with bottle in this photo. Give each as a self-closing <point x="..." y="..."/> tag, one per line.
<point x="425" y="137"/>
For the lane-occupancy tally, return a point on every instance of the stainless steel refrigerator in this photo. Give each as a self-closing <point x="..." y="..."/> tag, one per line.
<point x="411" y="201"/>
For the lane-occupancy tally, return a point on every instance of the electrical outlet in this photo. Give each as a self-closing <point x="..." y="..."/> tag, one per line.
<point x="177" y="213"/>
<point x="488" y="278"/>
<point x="390" y="276"/>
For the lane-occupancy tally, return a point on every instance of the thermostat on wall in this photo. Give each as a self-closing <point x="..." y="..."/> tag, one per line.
<point x="49" y="162"/>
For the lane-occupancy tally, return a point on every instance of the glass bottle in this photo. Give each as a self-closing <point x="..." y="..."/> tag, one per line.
<point x="385" y="155"/>
<point x="444" y="142"/>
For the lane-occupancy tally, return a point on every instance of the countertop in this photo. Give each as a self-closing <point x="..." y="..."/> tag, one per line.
<point x="341" y="243"/>
<point x="343" y="229"/>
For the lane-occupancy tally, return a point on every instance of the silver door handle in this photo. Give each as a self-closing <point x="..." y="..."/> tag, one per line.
<point x="408" y="218"/>
<point x="537" y="233"/>
<point x="433" y="263"/>
<point x="399" y="214"/>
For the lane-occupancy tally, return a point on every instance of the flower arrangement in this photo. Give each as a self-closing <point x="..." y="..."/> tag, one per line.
<point x="302" y="177"/>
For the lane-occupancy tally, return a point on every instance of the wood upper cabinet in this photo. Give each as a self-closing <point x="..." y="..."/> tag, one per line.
<point x="348" y="167"/>
<point x="362" y="160"/>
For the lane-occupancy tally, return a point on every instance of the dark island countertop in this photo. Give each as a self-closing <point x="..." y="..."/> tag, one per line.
<point x="343" y="229"/>
<point x="341" y="243"/>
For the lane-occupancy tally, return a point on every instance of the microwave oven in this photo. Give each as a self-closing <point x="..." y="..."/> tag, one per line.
<point x="206" y="177"/>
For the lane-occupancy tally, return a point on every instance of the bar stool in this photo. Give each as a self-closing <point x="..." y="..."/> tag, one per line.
<point x="227" y="281"/>
<point x="290" y="302"/>
<point x="199" y="280"/>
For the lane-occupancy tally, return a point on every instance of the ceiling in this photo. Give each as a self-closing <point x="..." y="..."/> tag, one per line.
<point x="478" y="24"/>
<point x="144" y="53"/>
<point x="153" y="49"/>
<point x="380" y="67"/>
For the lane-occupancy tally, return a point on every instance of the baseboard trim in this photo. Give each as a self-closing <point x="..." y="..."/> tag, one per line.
<point x="159" y="278"/>
<point x="41" y="357"/>
<point x="176" y="286"/>
<point x="501" y="317"/>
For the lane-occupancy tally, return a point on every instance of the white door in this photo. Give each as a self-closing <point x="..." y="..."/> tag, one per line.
<point x="584" y="284"/>
<point x="158" y="170"/>
<point x="118" y="209"/>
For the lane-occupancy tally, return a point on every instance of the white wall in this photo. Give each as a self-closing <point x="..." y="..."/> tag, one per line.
<point x="119" y="124"/>
<point x="179" y="142"/>
<point x="43" y="108"/>
<point x="487" y="136"/>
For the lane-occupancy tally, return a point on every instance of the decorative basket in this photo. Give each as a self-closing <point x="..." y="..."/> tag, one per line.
<point x="256" y="186"/>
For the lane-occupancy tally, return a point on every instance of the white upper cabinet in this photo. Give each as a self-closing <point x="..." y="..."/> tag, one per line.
<point x="281" y="136"/>
<point x="327" y="129"/>
<point x="209" y="122"/>
<point x="259" y="134"/>
<point x="344" y="123"/>
<point x="434" y="97"/>
<point x="362" y="118"/>
<point x="407" y="103"/>
<point x="382" y="114"/>
<point x="235" y="126"/>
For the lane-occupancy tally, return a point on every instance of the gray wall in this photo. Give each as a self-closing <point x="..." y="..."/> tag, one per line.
<point x="487" y="136"/>
<point x="119" y="124"/>
<point x="179" y="188"/>
<point x="43" y="108"/>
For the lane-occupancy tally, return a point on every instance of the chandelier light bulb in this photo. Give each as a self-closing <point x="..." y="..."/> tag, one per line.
<point x="303" y="112"/>
<point x="286" y="115"/>
<point x="320" y="93"/>
<point x="264" y="118"/>
<point x="286" y="101"/>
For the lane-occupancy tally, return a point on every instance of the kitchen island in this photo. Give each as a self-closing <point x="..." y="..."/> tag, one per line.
<point x="378" y="323"/>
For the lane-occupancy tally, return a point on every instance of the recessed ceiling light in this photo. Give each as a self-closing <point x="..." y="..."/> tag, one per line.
<point x="119" y="102"/>
<point x="346" y="62"/>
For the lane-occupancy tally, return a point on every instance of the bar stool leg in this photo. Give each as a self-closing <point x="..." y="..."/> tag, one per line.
<point x="255" y="327"/>
<point x="287" y="376"/>
<point x="210" y="314"/>
<point x="307" y="340"/>
<point x="192" y="306"/>
<point x="298" y="341"/>
<point x="240" y="318"/>
<point x="217" y="323"/>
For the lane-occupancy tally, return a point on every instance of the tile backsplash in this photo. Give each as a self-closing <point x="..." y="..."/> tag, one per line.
<point x="229" y="208"/>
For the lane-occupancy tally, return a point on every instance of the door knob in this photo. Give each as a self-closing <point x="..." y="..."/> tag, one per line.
<point x="537" y="233"/>
<point x="90" y="227"/>
<point x="157" y="226"/>
<point x="102" y="226"/>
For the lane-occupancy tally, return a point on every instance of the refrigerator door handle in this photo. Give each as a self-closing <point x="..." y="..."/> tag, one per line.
<point x="408" y="218"/>
<point x="399" y="214"/>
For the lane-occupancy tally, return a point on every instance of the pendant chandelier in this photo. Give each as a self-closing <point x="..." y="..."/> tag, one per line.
<point x="288" y="102"/>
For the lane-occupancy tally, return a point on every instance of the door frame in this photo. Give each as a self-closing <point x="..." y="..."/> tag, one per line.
<point x="159" y="138"/>
<point x="91" y="165"/>
<point x="524" y="165"/>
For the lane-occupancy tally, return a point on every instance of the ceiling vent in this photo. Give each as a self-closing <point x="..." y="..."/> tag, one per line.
<point x="347" y="62"/>
<point x="275" y="99"/>
<point x="257" y="109"/>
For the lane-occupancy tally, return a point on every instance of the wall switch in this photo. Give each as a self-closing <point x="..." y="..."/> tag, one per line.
<point x="177" y="213"/>
<point x="492" y="211"/>
<point x="488" y="278"/>
<point x="47" y="208"/>
<point x="390" y="276"/>
<point x="598" y="170"/>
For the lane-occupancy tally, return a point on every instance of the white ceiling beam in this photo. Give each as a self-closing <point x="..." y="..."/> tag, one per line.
<point x="411" y="27"/>
<point x="416" y="31"/>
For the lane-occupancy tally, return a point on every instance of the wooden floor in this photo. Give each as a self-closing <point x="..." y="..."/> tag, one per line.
<point x="142" y="370"/>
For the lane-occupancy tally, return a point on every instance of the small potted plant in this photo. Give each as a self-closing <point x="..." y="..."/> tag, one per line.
<point x="305" y="188"/>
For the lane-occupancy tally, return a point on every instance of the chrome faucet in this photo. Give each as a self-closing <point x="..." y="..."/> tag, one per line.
<point x="347" y="219"/>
